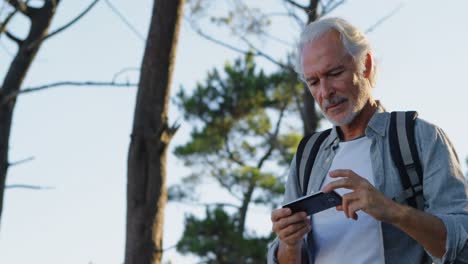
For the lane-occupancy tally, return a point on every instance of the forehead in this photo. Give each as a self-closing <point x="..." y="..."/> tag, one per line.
<point x="322" y="53"/>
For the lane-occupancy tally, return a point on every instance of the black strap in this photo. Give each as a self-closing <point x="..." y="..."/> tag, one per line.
<point x="405" y="157"/>
<point x="307" y="152"/>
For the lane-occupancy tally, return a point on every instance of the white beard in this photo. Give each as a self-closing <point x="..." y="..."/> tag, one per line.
<point x="354" y="109"/>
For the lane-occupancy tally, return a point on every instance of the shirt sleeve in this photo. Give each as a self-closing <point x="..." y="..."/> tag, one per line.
<point x="445" y="189"/>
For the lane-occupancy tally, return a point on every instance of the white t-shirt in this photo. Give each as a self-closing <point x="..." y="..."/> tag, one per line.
<point x="337" y="238"/>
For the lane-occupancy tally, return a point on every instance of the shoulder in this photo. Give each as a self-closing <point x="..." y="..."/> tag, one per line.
<point x="426" y="131"/>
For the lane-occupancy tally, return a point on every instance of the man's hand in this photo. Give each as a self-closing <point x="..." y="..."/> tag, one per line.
<point x="290" y="228"/>
<point x="425" y="228"/>
<point x="364" y="197"/>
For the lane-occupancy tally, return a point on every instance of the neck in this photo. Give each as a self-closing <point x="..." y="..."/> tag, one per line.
<point x="358" y="126"/>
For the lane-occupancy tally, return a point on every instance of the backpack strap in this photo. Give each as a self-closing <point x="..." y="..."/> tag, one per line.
<point x="305" y="157"/>
<point x="406" y="159"/>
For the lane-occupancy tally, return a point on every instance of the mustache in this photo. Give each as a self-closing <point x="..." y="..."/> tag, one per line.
<point x="333" y="101"/>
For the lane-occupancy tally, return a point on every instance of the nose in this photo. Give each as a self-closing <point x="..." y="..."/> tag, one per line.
<point x="326" y="88"/>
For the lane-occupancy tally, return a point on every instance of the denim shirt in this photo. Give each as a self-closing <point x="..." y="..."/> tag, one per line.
<point x="444" y="186"/>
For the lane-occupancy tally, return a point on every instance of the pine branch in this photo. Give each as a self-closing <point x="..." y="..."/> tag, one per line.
<point x="273" y="138"/>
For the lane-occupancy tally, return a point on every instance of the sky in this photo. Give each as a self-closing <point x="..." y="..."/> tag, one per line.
<point x="79" y="136"/>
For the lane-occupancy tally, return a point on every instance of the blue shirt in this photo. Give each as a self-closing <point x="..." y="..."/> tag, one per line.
<point x="444" y="186"/>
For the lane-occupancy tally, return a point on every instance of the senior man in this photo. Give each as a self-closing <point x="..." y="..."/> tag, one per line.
<point x="336" y="61"/>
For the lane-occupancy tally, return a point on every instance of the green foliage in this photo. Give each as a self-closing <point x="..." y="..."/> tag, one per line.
<point x="239" y="139"/>
<point x="290" y="143"/>
<point x="216" y="240"/>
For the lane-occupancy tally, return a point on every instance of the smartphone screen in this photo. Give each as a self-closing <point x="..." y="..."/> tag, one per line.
<point x="314" y="203"/>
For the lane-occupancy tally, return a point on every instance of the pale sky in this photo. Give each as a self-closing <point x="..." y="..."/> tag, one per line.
<point x="79" y="136"/>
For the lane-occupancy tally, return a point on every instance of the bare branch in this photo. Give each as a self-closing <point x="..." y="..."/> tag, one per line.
<point x="124" y="70"/>
<point x="7" y="20"/>
<point x="27" y="186"/>
<point x="125" y="20"/>
<point x="65" y="83"/>
<point x="329" y="8"/>
<point x="297" y="5"/>
<point x="21" y="6"/>
<point x="255" y="52"/>
<point x="21" y="161"/>
<point x="219" y="42"/>
<point x="69" y="24"/>
<point x="383" y="19"/>
<point x="13" y="38"/>
<point x="258" y="52"/>
<point x="300" y="23"/>
<point x="279" y="40"/>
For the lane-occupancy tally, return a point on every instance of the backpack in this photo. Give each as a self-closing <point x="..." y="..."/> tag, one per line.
<point x="402" y="148"/>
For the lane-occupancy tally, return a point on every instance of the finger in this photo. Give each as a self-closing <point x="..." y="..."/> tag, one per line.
<point x="343" y="173"/>
<point x="353" y="208"/>
<point x="286" y="221"/>
<point x="339" y="207"/>
<point x="295" y="237"/>
<point x="348" y="199"/>
<point x="355" y="216"/>
<point x="291" y="229"/>
<point x="280" y="213"/>
<point x="342" y="183"/>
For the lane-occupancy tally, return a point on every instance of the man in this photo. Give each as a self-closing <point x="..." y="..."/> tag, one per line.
<point x="336" y="62"/>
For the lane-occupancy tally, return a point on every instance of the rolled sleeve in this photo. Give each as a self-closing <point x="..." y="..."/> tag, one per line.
<point x="456" y="240"/>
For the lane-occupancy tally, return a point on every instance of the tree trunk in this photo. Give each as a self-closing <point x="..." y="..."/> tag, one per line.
<point x="146" y="175"/>
<point x="40" y="22"/>
<point x="310" y="112"/>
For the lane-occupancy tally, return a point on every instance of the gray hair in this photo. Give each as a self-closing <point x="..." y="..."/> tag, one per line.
<point x="354" y="41"/>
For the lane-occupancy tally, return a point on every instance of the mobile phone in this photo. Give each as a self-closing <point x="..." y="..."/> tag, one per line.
<point x="314" y="203"/>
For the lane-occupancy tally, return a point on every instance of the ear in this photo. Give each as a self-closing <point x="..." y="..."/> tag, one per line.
<point x="368" y="64"/>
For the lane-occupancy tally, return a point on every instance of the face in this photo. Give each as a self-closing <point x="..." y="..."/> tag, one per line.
<point x="333" y="79"/>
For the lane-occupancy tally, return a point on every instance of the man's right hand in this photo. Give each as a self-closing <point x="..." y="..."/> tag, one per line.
<point x="290" y="228"/>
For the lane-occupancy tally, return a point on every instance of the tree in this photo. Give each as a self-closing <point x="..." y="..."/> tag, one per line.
<point x="151" y="134"/>
<point x="27" y="49"/>
<point x="40" y="19"/>
<point x="248" y="23"/>
<point x="241" y="140"/>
